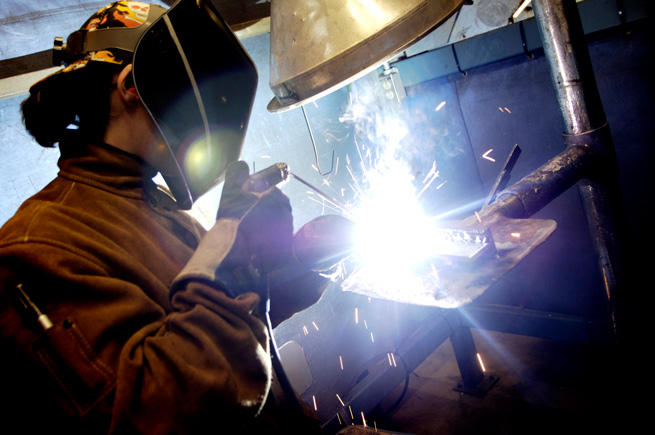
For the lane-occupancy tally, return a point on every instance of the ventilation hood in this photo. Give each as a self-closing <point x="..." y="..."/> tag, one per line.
<point x="317" y="46"/>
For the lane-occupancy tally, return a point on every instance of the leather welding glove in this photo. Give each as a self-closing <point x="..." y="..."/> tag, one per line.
<point x="318" y="246"/>
<point x="251" y="233"/>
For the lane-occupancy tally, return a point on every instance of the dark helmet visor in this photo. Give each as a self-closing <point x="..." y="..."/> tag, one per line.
<point x="199" y="84"/>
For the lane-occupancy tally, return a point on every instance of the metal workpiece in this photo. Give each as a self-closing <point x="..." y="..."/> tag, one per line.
<point x="505" y="173"/>
<point x="603" y="205"/>
<point x="453" y="283"/>
<point x="318" y="47"/>
<point x="582" y="113"/>
<point x="534" y="191"/>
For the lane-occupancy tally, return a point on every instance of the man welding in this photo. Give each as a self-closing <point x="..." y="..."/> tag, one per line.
<point x="118" y="312"/>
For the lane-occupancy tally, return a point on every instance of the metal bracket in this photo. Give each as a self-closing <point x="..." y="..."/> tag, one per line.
<point x="505" y="173"/>
<point x="481" y="388"/>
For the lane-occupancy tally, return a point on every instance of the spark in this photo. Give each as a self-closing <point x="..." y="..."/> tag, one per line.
<point x="351" y="412"/>
<point x="477" y="216"/>
<point x="500" y="108"/>
<point x="315" y="326"/>
<point x="363" y="419"/>
<point x="325" y="203"/>
<point x="361" y="158"/>
<point x="520" y="9"/>
<point x="314" y="399"/>
<point x="337" y="192"/>
<point x="441" y="185"/>
<point x="341" y="401"/>
<point x="359" y="189"/>
<point x="413" y="234"/>
<point x="341" y="362"/>
<point x="353" y="189"/>
<point x="266" y="157"/>
<point x="322" y="194"/>
<point x="372" y="340"/>
<point x="339" y="418"/>
<point x="486" y="155"/>
<point x="508" y="111"/>
<point x="433" y="174"/>
<point x="436" y="174"/>
<point x="481" y="363"/>
<point x="443" y="103"/>
<point x="517" y="235"/>
<point x="434" y="273"/>
<point x="376" y="425"/>
<point x="432" y="171"/>
<point x="392" y="359"/>
<point x="394" y="237"/>
<point x="304" y="328"/>
<point x="356" y="316"/>
<point x="365" y="324"/>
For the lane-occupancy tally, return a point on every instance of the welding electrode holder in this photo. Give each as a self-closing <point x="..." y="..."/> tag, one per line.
<point x="265" y="179"/>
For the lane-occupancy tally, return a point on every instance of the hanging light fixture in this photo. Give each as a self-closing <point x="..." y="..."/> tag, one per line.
<point x="319" y="46"/>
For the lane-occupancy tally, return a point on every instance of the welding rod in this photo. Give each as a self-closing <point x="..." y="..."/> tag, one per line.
<point x="335" y="201"/>
<point x="279" y="172"/>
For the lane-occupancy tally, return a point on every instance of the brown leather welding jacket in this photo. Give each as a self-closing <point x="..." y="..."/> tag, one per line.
<point x="96" y="250"/>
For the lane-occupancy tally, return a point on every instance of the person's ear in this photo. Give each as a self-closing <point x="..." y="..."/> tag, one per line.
<point x="125" y="86"/>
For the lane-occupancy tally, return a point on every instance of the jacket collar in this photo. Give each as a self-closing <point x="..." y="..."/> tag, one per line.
<point x="106" y="167"/>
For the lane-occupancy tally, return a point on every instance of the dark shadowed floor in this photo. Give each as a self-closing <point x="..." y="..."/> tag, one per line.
<point x="544" y="387"/>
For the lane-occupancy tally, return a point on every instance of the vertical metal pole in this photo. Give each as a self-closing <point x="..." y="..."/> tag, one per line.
<point x="474" y="379"/>
<point x="466" y="355"/>
<point x="585" y="123"/>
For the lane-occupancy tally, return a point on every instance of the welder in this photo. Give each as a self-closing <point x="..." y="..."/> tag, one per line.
<point x="119" y="313"/>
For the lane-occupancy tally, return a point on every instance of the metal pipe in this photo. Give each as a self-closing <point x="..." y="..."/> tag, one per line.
<point x="570" y="65"/>
<point x="534" y="191"/>
<point x="582" y="112"/>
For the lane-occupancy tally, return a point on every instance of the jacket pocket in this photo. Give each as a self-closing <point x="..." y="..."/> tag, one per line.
<point x="84" y="378"/>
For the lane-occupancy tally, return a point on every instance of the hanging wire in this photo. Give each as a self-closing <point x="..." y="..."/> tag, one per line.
<point x="311" y="135"/>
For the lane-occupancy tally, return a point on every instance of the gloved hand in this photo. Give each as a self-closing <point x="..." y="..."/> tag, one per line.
<point x="318" y="246"/>
<point x="324" y="241"/>
<point x="253" y="232"/>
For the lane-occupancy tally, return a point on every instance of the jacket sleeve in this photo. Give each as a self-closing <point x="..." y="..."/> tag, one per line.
<point x="118" y="357"/>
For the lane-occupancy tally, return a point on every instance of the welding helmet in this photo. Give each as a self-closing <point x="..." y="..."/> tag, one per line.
<point x="190" y="72"/>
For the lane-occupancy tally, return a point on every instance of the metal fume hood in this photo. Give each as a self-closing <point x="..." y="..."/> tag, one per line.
<point x="319" y="46"/>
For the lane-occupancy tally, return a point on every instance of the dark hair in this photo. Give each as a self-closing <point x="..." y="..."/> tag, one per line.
<point x="70" y="105"/>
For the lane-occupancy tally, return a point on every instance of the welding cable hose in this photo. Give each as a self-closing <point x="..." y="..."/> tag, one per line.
<point x="252" y="235"/>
